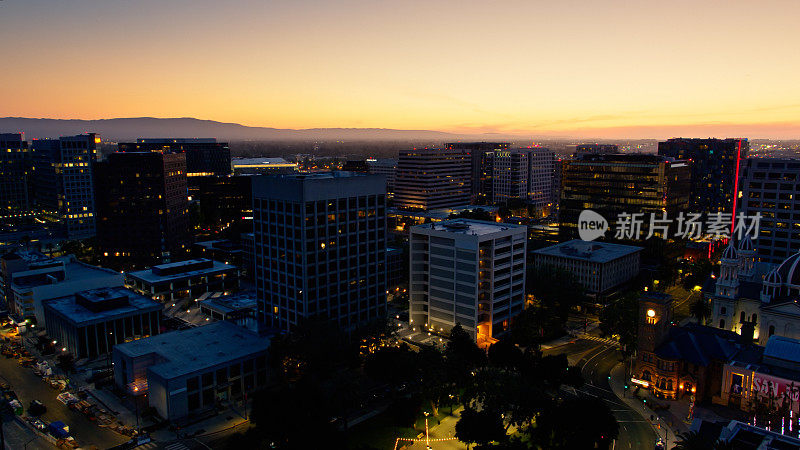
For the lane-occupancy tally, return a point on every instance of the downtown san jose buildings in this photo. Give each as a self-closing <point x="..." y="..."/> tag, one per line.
<point x="190" y="372"/>
<point x="433" y="178"/>
<point x="613" y="184"/>
<point x="770" y="187"/>
<point x="16" y="167"/>
<point x="183" y="280"/>
<point x="714" y="170"/>
<point x="481" y="154"/>
<point x="221" y="205"/>
<point x="262" y="166"/>
<point x="143" y="214"/>
<point x="320" y="247"/>
<point x="595" y="149"/>
<point x="63" y="185"/>
<point x="89" y="323"/>
<point x="386" y="167"/>
<point x="204" y="156"/>
<point x="467" y="272"/>
<point x="599" y="267"/>
<point x="239" y="308"/>
<point x="31" y="283"/>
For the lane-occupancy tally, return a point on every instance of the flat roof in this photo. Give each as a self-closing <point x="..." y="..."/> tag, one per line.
<point x="148" y="275"/>
<point x="196" y="349"/>
<point x="467" y="227"/>
<point x="600" y="252"/>
<point x="230" y="303"/>
<point x="67" y="307"/>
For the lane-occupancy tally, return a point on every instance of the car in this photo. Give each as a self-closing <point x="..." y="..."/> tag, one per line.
<point x="660" y="444"/>
<point x="37" y="408"/>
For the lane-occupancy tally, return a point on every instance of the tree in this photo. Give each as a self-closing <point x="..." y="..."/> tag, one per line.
<point x="554" y="292"/>
<point x="480" y="427"/>
<point x="701" y="310"/>
<point x="621" y="317"/>
<point x="504" y="353"/>
<point x="475" y="214"/>
<point x="462" y="354"/>
<point x="391" y="364"/>
<point x="583" y="422"/>
<point x="692" y="441"/>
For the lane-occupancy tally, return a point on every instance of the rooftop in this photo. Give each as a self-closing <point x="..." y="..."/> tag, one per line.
<point x="469" y="227"/>
<point x="783" y="348"/>
<point x="196" y="349"/>
<point x="75" y="273"/>
<point x="230" y="303"/>
<point x="699" y="344"/>
<point x="261" y="162"/>
<point x="182" y="269"/>
<point x="74" y="307"/>
<point x="600" y="252"/>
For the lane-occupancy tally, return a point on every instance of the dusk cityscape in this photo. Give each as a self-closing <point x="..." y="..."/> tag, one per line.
<point x="415" y="225"/>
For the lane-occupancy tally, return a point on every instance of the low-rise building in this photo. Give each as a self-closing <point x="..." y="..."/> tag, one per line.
<point x="184" y="280"/>
<point x="54" y="278"/>
<point x="89" y="323"/>
<point x="186" y="373"/>
<point x="598" y="266"/>
<point x="237" y="308"/>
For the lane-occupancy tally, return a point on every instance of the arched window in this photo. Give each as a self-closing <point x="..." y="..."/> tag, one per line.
<point x="669" y="384"/>
<point x="755" y="317"/>
<point x="771" y="330"/>
<point x="722" y="323"/>
<point x="741" y="317"/>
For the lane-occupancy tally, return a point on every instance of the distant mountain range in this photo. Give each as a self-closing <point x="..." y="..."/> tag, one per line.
<point x="125" y="129"/>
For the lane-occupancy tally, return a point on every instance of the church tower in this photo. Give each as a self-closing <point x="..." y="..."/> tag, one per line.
<point x="747" y="257"/>
<point x="728" y="282"/>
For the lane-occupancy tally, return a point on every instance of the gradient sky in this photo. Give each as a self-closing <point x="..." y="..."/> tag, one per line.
<point x="599" y="68"/>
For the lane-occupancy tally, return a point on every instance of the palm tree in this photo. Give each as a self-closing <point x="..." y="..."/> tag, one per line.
<point x="722" y="445"/>
<point x="691" y="441"/>
<point x="701" y="310"/>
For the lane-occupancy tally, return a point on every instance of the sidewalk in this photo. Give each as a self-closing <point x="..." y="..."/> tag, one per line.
<point x="670" y="425"/>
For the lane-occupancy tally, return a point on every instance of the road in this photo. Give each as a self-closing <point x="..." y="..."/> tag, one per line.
<point x="30" y="387"/>
<point x="18" y="436"/>
<point x="596" y="360"/>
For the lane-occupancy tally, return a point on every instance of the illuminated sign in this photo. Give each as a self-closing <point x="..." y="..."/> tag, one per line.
<point x="640" y="382"/>
<point x="776" y="387"/>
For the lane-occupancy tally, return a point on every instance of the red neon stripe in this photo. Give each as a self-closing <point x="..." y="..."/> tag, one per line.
<point x="736" y="186"/>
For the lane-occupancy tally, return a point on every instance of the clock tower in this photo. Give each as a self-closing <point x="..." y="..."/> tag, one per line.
<point x="655" y="318"/>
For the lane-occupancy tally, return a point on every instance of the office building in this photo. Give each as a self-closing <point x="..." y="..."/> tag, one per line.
<point x="320" y="248"/>
<point x="595" y="149"/>
<point x="481" y="158"/>
<point x="91" y="322"/>
<point x="16" y="166"/>
<point x="143" y="214"/>
<point x="63" y="185"/>
<point x="203" y="156"/>
<point x="44" y="280"/>
<point x="467" y="272"/>
<point x="509" y="176"/>
<point x="19" y="261"/>
<point x="614" y="184"/>
<point x="190" y="372"/>
<point x="223" y="205"/>
<point x="599" y="267"/>
<point x="386" y="167"/>
<point x="769" y="187"/>
<point x="239" y="308"/>
<point x="262" y="166"/>
<point x="715" y="170"/>
<point x="184" y="280"/>
<point x="541" y="179"/>
<point x="433" y="178"/>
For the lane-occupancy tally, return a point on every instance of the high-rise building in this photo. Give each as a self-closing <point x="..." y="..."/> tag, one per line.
<point x="143" y="215"/>
<point x="386" y="167"/>
<point x="715" y="170"/>
<point x="204" y="156"/>
<point x="769" y="187"/>
<point x="481" y="157"/>
<point x="595" y="149"/>
<point x="467" y="272"/>
<point x="510" y="170"/>
<point x="320" y="248"/>
<point x="15" y="171"/>
<point x="223" y="205"/>
<point x="541" y="178"/>
<point x="433" y="178"/>
<point x="63" y="186"/>
<point x="613" y="184"/>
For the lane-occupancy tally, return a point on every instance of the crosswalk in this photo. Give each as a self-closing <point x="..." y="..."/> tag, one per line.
<point x="162" y="446"/>
<point x="598" y="339"/>
<point x="176" y="446"/>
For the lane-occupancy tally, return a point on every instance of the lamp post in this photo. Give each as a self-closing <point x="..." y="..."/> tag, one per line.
<point x="136" y="405"/>
<point x="427" y="438"/>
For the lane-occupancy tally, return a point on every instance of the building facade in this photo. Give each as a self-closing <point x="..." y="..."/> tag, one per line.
<point x="386" y="167"/>
<point x="184" y="280"/>
<point x="204" y="156"/>
<point x="599" y="267"/>
<point x="613" y="184"/>
<point x="320" y="248"/>
<point x="190" y="372"/>
<point x="715" y="170"/>
<point x="595" y="149"/>
<point x="481" y="154"/>
<point x="143" y="213"/>
<point x="433" y="178"/>
<point x="90" y="323"/>
<point x="467" y="272"/>
<point x="62" y="182"/>
<point x="769" y="187"/>
<point x="541" y="179"/>
<point x="16" y="167"/>
<point x="509" y="176"/>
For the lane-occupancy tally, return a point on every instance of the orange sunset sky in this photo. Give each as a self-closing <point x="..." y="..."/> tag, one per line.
<point x="567" y="68"/>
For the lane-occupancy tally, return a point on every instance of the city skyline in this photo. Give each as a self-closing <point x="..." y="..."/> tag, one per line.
<point x="580" y="69"/>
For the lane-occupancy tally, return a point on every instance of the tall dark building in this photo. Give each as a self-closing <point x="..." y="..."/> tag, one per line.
<point x="320" y="248"/>
<point x="143" y="216"/>
<point x="203" y="156"/>
<point x="715" y="168"/>
<point x="621" y="183"/>
<point x="482" y="168"/>
<point x="63" y="185"/>
<point x="15" y="171"/>
<point x="222" y="206"/>
<point x="433" y="178"/>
